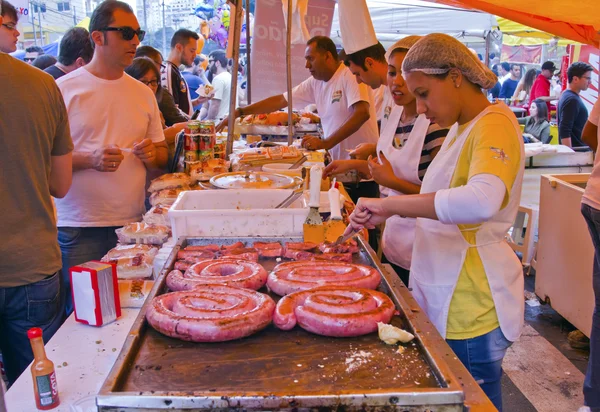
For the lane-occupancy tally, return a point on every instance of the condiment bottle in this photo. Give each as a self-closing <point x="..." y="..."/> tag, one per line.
<point x="42" y="371"/>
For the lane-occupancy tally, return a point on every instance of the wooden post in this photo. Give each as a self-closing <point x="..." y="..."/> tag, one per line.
<point x="234" y="75"/>
<point x="288" y="62"/>
<point x="248" y="88"/>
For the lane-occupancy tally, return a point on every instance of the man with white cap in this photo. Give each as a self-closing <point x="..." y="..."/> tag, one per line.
<point x="346" y="108"/>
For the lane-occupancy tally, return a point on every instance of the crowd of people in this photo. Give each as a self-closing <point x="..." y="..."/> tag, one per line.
<point x="543" y="87"/>
<point x="443" y="170"/>
<point x="92" y="126"/>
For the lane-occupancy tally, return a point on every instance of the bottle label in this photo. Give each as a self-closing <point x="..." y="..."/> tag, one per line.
<point x="47" y="389"/>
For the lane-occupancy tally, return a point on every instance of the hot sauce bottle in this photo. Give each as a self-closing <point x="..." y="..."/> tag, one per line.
<point x="42" y="371"/>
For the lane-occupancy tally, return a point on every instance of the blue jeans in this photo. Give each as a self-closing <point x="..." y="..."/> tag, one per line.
<point x="482" y="356"/>
<point x="591" y="385"/>
<point x="79" y="245"/>
<point x="21" y="308"/>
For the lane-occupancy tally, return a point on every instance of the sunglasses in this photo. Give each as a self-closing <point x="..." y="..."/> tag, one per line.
<point x="127" y="32"/>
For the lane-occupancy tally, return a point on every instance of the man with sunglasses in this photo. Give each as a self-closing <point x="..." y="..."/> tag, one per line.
<point x="32" y="53"/>
<point x="35" y="165"/>
<point x="183" y="51"/>
<point x="9" y="35"/>
<point x="117" y="133"/>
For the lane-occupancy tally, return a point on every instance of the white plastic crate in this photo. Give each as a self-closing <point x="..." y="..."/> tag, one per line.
<point x="244" y="212"/>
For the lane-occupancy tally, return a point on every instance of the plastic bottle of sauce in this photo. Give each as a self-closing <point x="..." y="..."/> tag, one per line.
<point x="42" y="371"/>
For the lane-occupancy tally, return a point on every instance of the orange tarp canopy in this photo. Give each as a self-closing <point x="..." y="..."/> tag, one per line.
<point x="575" y="20"/>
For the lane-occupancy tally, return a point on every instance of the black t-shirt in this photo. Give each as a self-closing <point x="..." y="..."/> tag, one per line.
<point x="177" y="86"/>
<point x="55" y="72"/>
<point x="572" y="115"/>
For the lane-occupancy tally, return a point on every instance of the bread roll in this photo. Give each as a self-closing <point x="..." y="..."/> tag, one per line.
<point x="169" y="181"/>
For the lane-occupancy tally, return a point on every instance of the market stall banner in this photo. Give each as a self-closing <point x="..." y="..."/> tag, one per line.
<point x="22" y="7"/>
<point x="522" y="54"/>
<point x="267" y="56"/>
<point x="591" y="55"/>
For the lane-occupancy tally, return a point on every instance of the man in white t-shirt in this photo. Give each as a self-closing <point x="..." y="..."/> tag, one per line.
<point x="590" y="208"/>
<point x="346" y="108"/>
<point x="117" y="134"/>
<point x="218" y="108"/>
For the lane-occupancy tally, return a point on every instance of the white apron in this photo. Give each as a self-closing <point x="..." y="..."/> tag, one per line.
<point x="439" y="251"/>
<point x="399" y="233"/>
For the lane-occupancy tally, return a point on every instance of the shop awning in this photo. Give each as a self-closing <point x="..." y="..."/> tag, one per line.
<point x="85" y="23"/>
<point x="516" y="34"/>
<point x="578" y="21"/>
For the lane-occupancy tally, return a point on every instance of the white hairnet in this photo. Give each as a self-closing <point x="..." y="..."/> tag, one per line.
<point x="438" y="53"/>
<point x="403" y="44"/>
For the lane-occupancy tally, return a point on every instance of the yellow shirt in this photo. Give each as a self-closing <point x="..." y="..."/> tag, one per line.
<point x="492" y="147"/>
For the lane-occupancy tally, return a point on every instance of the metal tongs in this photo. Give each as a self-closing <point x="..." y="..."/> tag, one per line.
<point x="290" y="199"/>
<point x="298" y="162"/>
<point x="343" y="239"/>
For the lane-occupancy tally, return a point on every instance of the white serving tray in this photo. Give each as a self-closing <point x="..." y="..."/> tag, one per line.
<point x="241" y="212"/>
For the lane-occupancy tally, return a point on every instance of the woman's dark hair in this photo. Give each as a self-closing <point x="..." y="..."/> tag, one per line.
<point x="138" y="69"/>
<point x="528" y="79"/>
<point x="542" y="110"/>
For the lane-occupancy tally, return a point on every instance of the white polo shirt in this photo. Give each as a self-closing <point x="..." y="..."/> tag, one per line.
<point x="591" y="196"/>
<point x="334" y="100"/>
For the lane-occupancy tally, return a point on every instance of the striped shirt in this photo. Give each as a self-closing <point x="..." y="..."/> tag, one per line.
<point x="434" y="139"/>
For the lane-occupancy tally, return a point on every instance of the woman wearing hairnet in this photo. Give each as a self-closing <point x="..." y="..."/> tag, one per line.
<point x="463" y="273"/>
<point x="407" y="144"/>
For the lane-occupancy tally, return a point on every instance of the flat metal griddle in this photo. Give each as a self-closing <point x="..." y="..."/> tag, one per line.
<point x="276" y="369"/>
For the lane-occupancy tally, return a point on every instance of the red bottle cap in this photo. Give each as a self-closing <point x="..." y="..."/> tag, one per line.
<point x="34" y="333"/>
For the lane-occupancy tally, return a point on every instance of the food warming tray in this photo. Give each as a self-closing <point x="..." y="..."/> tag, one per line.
<point x="279" y="370"/>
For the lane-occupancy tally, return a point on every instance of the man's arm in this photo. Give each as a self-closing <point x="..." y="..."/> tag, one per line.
<point x="268" y="105"/>
<point x="213" y="108"/>
<point x="200" y="100"/>
<point x="503" y="91"/>
<point x="360" y="114"/>
<point x="103" y="159"/>
<point x="545" y="98"/>
<point x="162" y="155"/>
<point x="171" y="113"/>
<point x="61" y="175"/>
<point x="568" y="113"/>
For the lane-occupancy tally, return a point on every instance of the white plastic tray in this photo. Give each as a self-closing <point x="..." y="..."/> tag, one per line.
<point x="243" y="212"/>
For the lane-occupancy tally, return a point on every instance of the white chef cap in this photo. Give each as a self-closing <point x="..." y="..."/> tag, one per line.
<point x="438" y="53"/>
<point x="403" y="44"/>
<point x="356" y="26"/>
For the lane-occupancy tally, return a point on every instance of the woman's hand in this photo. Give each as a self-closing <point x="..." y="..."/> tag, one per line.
<point x="368" y="213"/>
<point x="338" y="167"/>
<point x="363" y="151"/>
<point x="382" y="172"/>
